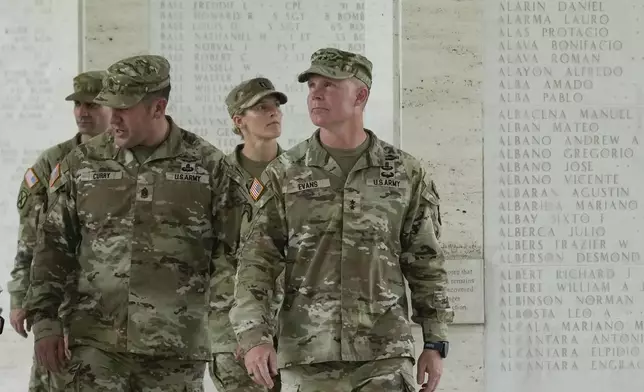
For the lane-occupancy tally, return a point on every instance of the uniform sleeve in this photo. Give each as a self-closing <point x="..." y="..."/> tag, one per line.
<point x="222" y="279"/>
<point x="54" y="256"/>
<point x="422" y="262"/>
<point x="260" y="261"/>
<point x="221" y="299"/>
<point x="32" y="198"/>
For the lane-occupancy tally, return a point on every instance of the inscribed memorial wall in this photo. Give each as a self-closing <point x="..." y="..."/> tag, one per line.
<point x="563" y="196"/>
<point x="465" y="290"/>
<point x="39" y="42"/>
<point x="214" y="45"/>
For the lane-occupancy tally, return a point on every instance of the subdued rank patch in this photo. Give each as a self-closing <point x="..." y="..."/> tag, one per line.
<point x="202" y="178"/>
<point x="256" y="189"/>
<point x="55" y="175"/>
<point x="22" y="198"/>
<point x="31" y="178"/>
<point x="352" y="204"/>
<point x="386" y="182"/>
<point x="144" y="193"/>
<point x="98" y="176"/>
<point x="306" y="185"/>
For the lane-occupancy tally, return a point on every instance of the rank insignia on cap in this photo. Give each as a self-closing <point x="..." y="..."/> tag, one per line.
<point x="256" y="189"/>
<point x="55" y="175"/>
<point x="31" y="178"/>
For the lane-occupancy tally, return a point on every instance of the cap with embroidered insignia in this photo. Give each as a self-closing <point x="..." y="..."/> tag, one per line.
<point x="249" y="92"/>
<point x="87" y="86"/>
<point x="129" y="80"/>
<point x="338" y="64"/>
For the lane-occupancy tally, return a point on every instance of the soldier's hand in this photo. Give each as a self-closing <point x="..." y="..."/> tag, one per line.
<point x="17" y="319"/>
<point x="261" y="364"/>
<point x="50" y="353"/>
<point x="430" y="363"/>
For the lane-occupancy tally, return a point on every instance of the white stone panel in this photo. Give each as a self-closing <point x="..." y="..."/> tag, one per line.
<point x="39" y="42"/>
<point x="563" y="196"/>
<point x="214" y="45"/>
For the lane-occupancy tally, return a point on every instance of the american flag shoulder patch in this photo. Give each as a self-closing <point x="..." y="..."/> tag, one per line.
<point x="55" y="174"/>
<point x="256" y="189"/>
<point x="31" y="179"/>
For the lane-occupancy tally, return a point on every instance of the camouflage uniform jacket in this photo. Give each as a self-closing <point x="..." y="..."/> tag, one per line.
<point x="346" y="248"/>
<point x="32" y="200"/>
<point x="142" y="238"/>
<point x="239" y="212"/>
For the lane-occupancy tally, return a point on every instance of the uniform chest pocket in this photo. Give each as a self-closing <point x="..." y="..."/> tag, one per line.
<point x="386" y="202"/>
<point x="309" y="190"/>
<point x="103" y="197"/>
<point x="185" y="200"/>
<point x="310" y="199"/>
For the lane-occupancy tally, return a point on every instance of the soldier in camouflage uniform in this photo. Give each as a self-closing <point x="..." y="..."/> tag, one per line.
<point x="91" y="119"/>
<point x="135" y="213"/>
<point x="348" y="217"/>
<point x="254" y="106"/>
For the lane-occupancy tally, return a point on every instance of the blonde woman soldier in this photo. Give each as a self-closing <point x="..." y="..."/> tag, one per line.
<point x="254" y="107"/>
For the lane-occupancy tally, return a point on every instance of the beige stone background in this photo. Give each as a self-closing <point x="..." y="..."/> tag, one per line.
<point x="441" y="123"/>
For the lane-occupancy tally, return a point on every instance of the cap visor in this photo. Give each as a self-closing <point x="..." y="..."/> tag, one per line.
<point x="328" y="72"/>
<point x="81" y="97"/>
<point x="118" y="101"/>
<point x="281" y="97"/>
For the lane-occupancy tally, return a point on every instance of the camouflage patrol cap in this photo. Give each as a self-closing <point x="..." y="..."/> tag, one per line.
<point x="249" y="92"/>
<point x="87" y="86"/>
<point x="129" y="80"/>
<point x="338" y="64"/>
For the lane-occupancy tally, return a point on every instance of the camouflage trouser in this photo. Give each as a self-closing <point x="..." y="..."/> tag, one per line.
<point x="391" y="375"/>
<point x="230" y="375"/>
<point x="94" y="370"/>
<point x="39" y="378"/>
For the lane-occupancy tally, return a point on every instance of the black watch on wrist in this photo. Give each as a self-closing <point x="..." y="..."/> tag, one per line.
<point x="441" y="347"/>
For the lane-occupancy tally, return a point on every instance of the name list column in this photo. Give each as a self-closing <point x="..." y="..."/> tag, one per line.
<point x="562" y="196"/>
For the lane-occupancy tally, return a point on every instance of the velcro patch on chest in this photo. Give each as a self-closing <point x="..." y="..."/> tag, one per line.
<point x="256" y="189"/>
<point x="189" y="172"/>
<point x="101" y="175"/>
<point x="300" y="186"/>
<point x="386" y="183"/>
<point x="201" y="178"/>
